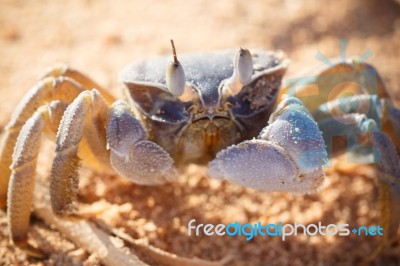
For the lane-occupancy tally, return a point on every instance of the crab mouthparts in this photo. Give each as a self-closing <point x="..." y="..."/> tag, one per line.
<point x="204" y="137"/>
<point x="212" y="135"/>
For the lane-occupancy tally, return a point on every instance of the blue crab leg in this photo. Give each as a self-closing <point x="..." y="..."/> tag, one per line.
<point x="288" y="155"/>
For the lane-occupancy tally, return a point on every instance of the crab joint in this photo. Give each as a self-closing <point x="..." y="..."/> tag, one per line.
<point x="175" y="76"/>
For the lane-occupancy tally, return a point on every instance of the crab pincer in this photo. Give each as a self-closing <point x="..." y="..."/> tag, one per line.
<point x="288" y="155"/>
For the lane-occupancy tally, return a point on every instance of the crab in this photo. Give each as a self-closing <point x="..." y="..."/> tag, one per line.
<point x="232" y="116"/>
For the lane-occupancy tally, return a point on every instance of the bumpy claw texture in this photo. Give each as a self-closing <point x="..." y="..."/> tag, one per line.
<point x="296" y="131"/>
<point x="262" y="165"/>
<point x="123" y="129"/>
<point x="288" y="156"/>
<point x="241" y="164"/>
<point x="142" y="161"/>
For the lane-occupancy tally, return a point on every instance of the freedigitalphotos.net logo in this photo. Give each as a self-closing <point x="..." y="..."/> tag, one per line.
<point x="249" y="231"/>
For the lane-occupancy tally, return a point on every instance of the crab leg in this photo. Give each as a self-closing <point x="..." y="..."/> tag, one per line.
<point x="391" y="125"/>
<point x="61" y="83"/>
<point x="63" y="70"/>
<point x="378" y="148"/>
<point x="130" y="154"/>
<point x="82" y="130"/>
<point x="48" y="89"/>
<point x="389" y="180"/>
<point x="366" y="141"/>
<point x="88" y="112"/>
<point x="321" y="85"/>
<point x="23" y="171"/>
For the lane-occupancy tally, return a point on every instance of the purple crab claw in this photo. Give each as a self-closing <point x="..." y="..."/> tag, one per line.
<point x="287" y="156"/>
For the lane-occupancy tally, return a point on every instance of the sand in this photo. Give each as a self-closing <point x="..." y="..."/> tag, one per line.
<point x="100" y="38"/>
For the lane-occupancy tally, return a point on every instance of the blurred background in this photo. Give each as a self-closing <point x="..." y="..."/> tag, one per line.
<point x="101" y="37"/>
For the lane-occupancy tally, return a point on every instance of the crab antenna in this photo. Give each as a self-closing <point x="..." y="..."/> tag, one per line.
<point x="174" y="52"/>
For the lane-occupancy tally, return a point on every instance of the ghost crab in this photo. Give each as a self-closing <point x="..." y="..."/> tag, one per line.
<point x="216" y="112"/>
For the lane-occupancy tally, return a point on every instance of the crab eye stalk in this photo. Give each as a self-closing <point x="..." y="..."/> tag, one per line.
<point x="175" y="76"/>
<point x="242" y="72"/>
<point x="243" y="66"/>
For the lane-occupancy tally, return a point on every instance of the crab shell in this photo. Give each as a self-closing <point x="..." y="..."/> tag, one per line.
<point x="195" y="130"/>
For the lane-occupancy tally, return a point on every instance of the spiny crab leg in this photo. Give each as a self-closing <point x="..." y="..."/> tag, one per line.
<point x="88" y="106"/>
<point x="84" y="117"/>
<point x="59" y="83"/>
<point x="118" y="140"/>
<point x="23" y="171"/>
<point x="48" y="89"/>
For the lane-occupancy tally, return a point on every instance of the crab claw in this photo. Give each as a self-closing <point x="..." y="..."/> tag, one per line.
<point x="287" y="156"/>
<point x="133" y="157"/>
<point x="296" y="131"/>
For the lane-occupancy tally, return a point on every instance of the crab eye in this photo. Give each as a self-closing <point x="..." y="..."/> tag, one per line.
<point x="243" y="65"/>
<point x="175" y="76"/>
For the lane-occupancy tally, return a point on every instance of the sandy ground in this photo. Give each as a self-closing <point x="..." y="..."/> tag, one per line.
<point x="99" y="38"/>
